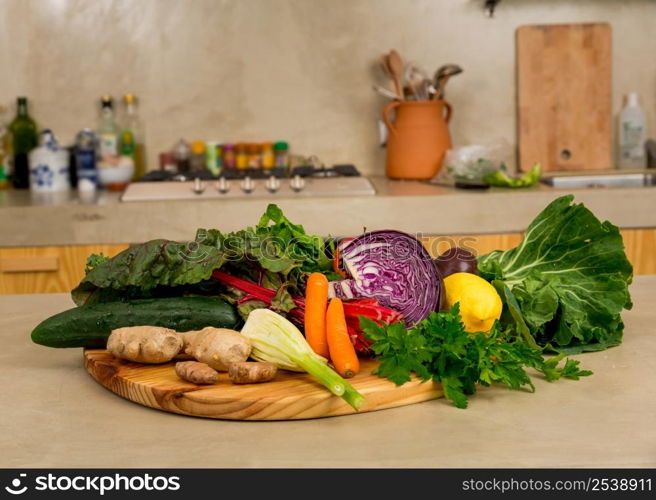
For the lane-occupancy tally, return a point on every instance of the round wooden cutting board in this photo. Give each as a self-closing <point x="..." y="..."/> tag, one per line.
<point x="289" y="396"/>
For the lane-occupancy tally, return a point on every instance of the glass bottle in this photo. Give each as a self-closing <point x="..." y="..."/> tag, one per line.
<point x="108" y="133"/>
<point x="132" y="135"/>
<point x="4" y="151"/>
<point x="24" y="139"/>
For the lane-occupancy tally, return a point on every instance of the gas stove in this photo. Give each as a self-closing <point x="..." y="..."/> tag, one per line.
<point x="301" y="182"/>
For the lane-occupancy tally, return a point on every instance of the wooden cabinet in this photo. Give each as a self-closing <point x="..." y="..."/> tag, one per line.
<point x="46" y="269"/>
<point x="59" y="269"/>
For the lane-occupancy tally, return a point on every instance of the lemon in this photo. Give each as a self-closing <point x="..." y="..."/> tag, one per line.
<point x="480" y="304"/>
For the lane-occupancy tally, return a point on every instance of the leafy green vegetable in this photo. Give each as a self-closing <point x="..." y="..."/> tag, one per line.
<point x="438" y="348"/>
<point x="500" y="178"/>
<point x="95" y="259"/>
<point x="571" y="369"/>
<point x="275" y="252"/>
<point x="566" y="282"/>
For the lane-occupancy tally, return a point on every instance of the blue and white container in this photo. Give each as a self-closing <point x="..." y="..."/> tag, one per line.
<point x="86" y="145"/>
<point x="49" y="165"/>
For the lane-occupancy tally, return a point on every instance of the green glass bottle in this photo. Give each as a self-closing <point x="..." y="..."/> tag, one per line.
<point x="24" y="135"/>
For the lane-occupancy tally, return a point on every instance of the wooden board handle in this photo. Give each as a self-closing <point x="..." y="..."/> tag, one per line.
<point x="29" y="264"/>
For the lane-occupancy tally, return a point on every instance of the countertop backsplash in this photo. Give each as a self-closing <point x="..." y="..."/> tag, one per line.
<point x="298" y="70"/>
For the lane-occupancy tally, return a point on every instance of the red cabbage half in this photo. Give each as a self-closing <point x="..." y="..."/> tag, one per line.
<point x="393" y="268"/>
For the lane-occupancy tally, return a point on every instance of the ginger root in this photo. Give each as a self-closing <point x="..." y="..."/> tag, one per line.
<point x="196" y="372"/>
<point x="251" y="372"/>
<point x="217" y="347"/>
<point x="144" y="344"/>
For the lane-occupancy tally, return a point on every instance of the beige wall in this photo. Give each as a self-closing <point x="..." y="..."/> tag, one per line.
<point x="300" y="70"/>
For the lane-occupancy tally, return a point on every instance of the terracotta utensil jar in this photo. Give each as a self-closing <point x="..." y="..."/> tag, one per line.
<point x="418" y="138"/>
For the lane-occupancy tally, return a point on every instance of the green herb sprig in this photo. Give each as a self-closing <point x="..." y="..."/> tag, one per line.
<point x="438" y="348"/>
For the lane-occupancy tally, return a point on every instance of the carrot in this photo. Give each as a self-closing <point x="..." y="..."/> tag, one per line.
<point x="316" y="300"/>
<point x="342" y="352"/>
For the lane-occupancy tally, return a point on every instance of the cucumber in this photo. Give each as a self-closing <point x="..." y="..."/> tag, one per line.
<point x="89" y="326"/>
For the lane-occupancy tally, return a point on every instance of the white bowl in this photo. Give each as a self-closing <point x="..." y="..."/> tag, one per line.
<point x="119" y="174"/>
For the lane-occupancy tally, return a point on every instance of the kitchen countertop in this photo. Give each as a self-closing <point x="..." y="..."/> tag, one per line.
<point x="411" y="206"/>
<point x="55" y="415"/>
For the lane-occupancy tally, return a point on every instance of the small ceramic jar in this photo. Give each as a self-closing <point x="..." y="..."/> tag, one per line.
<point x="49" y="165"/>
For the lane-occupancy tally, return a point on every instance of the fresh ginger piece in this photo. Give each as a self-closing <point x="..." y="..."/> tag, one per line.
<point x="217" y="347"/>
<point x="251" y="372"/>
<point x="196" y="372"/>
<point x="144" y="344"/>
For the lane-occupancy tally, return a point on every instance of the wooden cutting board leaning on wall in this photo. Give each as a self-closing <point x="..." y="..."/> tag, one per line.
<point x="564" y="96"/>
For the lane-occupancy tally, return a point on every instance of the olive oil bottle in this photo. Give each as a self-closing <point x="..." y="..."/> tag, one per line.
<point x="24" y="139"/>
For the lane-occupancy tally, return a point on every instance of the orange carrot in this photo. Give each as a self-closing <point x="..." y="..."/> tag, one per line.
<point x="316" y="300"/>
<point x="342" y="352"/>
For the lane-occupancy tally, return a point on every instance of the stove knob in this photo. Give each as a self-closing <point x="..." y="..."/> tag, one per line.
<point x="223" y="186"/>
<point x="247" y="185"/>
<point x="199" y="187"/>
<point x="272" y="184"/>
<point x="297" y="183"/>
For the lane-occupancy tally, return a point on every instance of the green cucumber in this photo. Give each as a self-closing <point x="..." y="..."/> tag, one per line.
<point x="89" y="326"/>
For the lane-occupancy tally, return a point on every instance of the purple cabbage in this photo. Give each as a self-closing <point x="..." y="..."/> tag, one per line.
<point x="393" y="268"/>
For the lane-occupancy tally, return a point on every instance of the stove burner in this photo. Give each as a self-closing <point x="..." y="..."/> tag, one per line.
<point x="253" y="173"/>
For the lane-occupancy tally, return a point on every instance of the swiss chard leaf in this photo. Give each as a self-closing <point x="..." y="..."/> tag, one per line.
<point x="149" y="265"/>
<point x="569" y="279"/>
<point x="276" y="249"/>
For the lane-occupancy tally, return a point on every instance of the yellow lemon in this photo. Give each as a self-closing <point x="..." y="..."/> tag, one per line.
<point x="480" y="304"/>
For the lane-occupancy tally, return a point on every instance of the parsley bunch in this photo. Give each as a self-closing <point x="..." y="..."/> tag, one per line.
<point x="438" y="348"/>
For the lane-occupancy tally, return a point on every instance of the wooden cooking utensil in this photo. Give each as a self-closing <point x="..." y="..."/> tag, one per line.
<point x="395" y="65"/>
<point x="384" y="64"/>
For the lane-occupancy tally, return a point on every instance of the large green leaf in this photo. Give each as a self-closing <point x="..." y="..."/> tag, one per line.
<point x="569" y="276"/>
<point x="149" y="265"/>
<point x="163" y="267"/>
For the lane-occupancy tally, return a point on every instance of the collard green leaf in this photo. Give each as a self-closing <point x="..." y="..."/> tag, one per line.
<point x="569" y="277"/>
<point x="513" y="314"/>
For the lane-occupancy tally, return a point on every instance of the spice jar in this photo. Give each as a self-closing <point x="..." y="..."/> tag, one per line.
<point x="281" y="151"/>
<point x="254" y="155"/>
<point x="197" y="160"/>
<point x="182" y="155"/>
<point x="229" y="159"/>
<point x="241" y="155"/>
<point x="268" y="157"/>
